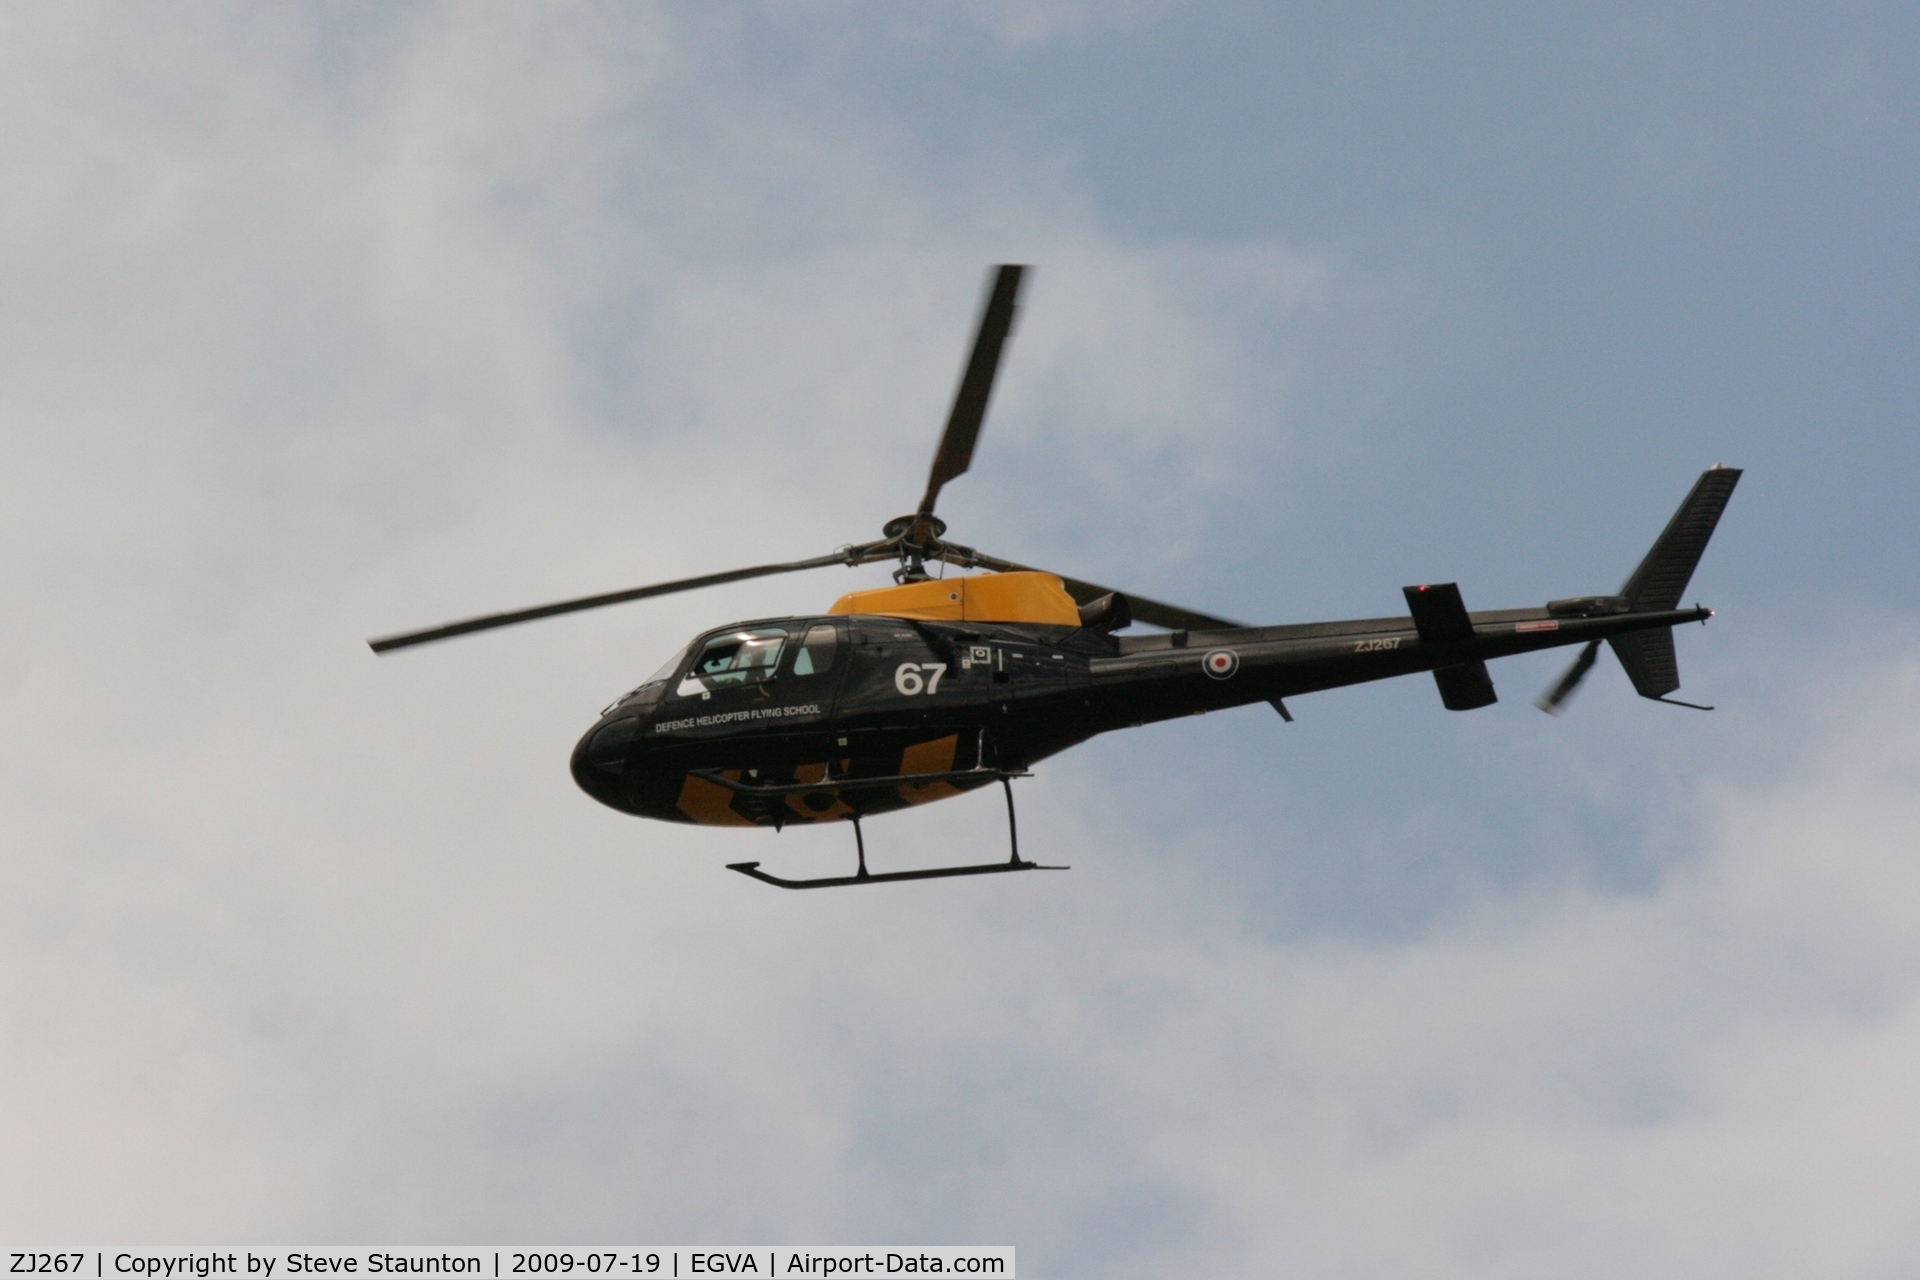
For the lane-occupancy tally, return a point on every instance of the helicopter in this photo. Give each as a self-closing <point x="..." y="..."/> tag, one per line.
<point x="936" y="686"/>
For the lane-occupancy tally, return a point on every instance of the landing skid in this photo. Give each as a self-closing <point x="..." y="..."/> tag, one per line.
<point x="862" y="876"/>
<point x="931" y="873"/>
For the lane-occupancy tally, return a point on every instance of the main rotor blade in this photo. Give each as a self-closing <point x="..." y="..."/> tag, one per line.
<point x="976" y="384"/>
<point x="1153" y="612"/>
<point x="862" y="554"/>
<point x="1556" y="698"/>
<point x="1171" y="616"/>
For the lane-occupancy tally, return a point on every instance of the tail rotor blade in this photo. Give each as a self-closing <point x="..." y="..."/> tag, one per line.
<point x="1555" y="699"/>
<point x="955" y="454"/>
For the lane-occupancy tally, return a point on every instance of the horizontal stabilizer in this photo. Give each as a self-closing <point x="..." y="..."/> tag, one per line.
<point x="1661" y="578"/>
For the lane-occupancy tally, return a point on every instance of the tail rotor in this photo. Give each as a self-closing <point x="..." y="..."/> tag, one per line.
<point x="1554" y="700"/>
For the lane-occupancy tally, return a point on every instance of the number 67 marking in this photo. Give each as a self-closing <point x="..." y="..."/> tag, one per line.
<point x="906" y="677"/>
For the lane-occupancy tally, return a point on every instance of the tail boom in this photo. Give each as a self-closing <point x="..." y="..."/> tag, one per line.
<point x="1279" y="662"/>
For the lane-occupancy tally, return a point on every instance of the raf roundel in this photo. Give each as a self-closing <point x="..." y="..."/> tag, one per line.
<point x="1221" y="664"/>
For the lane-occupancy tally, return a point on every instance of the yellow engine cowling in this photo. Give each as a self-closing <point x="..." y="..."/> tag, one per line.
<point x="1026" y="596"/>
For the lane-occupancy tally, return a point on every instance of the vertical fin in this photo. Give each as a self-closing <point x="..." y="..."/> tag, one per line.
<point x="1648" y="656"/>
<point x="1663" y="576"/>
<point x="1649" y="661"/>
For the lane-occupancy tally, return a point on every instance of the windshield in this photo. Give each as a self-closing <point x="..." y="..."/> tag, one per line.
<point x="666" y="671"/>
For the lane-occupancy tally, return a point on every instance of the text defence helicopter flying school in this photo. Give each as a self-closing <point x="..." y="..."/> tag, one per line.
<point x="933" y="687"/>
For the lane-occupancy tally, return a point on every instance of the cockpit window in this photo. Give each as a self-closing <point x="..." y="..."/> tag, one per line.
<point x="816" y="651"/>
<point x="737" y="658"/>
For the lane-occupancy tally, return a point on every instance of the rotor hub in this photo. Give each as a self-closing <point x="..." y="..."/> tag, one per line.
<point x="918" y="537"/>
<point x="916" y="532"/>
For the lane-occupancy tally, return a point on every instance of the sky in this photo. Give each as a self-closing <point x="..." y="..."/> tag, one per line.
<point x="320" y="322"/>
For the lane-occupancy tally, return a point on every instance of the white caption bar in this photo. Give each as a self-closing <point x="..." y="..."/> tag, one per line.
<point x="519" y="1262"/>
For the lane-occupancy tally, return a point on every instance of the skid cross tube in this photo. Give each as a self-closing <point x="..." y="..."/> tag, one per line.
<point x="862" y="876"/>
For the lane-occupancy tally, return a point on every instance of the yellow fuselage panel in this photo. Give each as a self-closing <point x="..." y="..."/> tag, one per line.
<point x="988" y="597"/>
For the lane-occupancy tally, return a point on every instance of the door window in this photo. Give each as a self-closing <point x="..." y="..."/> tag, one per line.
<point x="733" y="660"/>
<point x="816" y="650"/>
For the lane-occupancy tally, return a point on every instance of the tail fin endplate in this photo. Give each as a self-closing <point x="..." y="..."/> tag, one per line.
<point x="1440" y="616"/>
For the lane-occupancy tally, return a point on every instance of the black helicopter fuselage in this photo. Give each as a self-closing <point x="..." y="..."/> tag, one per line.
<point x="938" y="685"/>
<point x="803" y="720"/>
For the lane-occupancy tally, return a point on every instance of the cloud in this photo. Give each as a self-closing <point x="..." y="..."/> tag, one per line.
<point x="1112" y="1071"/>
<point x="314" y="348"/>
